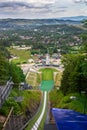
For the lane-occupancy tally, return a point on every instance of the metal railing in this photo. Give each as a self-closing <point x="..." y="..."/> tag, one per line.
<point x="5" y="91"/>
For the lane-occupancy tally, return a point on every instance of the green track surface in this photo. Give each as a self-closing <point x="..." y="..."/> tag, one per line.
<point x="47" y="85"/>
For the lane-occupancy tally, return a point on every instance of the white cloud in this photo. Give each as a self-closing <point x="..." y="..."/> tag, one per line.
<point x="41" y="1"/>
<point x="30" y="1"/>
<point x="42" y="8"/>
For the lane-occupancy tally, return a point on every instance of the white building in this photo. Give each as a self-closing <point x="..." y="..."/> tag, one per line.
<point x="47" y="59"/>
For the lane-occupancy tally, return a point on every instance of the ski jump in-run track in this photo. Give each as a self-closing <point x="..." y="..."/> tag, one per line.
<point x="45" y="87"/>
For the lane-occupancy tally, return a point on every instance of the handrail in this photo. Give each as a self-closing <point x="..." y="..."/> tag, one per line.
<point x="8" y="118"/>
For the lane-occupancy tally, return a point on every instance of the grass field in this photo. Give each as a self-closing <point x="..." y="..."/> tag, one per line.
<point x="23" y="55"/>
<point x="47" y="73"/>
<point x="47" y="83"/>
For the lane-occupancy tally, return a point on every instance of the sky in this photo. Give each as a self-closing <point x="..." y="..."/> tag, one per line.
<point x="32" y="9"/>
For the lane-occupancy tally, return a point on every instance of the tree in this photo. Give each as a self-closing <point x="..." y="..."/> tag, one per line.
<point x="8" y="70"/>
<point x="4" y="69"/>
<point x="73" y="76"/>
<point x="16" y="73"/>
<point x="84" y="43"/>
<point x="3" y="50"/>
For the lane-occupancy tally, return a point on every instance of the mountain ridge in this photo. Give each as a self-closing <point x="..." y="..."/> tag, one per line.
<point x="73" y="18"/>
<point x="29" y="23"/>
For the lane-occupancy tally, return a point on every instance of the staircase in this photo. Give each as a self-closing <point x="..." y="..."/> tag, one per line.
<point x="5" y="91"/>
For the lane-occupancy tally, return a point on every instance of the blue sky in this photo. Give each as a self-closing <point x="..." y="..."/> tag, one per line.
<point x="42" y="8"/>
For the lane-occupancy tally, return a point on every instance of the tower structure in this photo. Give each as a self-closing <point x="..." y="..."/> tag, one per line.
<point x="47" y="59"/>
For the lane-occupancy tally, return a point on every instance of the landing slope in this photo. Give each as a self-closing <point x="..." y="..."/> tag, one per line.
<point x="47" y="85"/>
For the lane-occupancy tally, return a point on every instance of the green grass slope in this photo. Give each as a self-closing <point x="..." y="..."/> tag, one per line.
<point x="47" y="73"/>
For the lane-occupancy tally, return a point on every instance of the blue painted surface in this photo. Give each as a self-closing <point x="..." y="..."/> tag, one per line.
<point x="69" y="120"/>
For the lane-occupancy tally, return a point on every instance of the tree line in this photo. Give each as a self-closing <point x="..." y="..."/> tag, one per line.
<point x="74" y="77"/>
<point x="8" y="69"/>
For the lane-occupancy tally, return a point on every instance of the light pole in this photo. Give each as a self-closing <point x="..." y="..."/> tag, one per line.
<point x="84" y="110"/>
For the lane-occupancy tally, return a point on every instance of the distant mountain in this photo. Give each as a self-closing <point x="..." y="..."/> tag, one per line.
<point x="32" y="23"/>
<point x="74" y="18"/>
